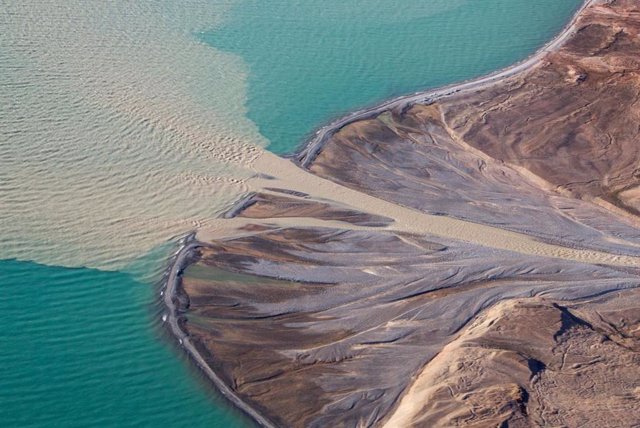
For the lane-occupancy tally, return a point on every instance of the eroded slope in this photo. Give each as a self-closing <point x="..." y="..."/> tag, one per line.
<point x="326" y="312"/>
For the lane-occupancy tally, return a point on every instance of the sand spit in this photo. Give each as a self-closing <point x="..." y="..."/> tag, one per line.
<point x="410" y="270"/>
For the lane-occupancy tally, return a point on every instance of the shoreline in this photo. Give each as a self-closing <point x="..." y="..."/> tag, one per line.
<point x="303" y="157"/>
<point x="170" y="296"/>
<point x="308" y="151"/>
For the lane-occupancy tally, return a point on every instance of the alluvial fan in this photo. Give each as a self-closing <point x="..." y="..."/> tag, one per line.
<point x="125" y="124"/>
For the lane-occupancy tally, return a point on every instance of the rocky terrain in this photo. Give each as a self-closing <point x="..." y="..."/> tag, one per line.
<point x="575" y="120"/>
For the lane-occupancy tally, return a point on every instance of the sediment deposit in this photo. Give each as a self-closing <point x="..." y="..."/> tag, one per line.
<point x="470" y="260"/>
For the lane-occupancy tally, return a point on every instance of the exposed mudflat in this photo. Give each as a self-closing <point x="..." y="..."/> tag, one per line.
<point x="472" y="261"/>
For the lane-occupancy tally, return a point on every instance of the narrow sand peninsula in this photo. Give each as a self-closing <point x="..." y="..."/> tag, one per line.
<point x="405" y="219"/>
<point x="464" y="257"/>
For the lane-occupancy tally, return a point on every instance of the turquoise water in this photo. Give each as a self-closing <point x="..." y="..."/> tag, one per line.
<point x="312" y="61"/>
<point x="116" y="133"/>
<point x="78" y="349"/>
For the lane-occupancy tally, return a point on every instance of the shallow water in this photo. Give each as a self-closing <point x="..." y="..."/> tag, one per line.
<point x="119" y="129"/>
<point x="124" y="124"/>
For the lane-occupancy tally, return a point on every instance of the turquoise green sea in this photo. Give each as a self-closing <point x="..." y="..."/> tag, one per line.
<point x="83" y="348"/>
<point x="121" y="109"/>
<point x="313" y="61"/>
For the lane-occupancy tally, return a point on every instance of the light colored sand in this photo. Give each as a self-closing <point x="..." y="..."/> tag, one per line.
<point x="289" y="176"/>
<point x="631" y="197"/>
<point x="423" y="386"/>
<point x="485" y="368"/>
